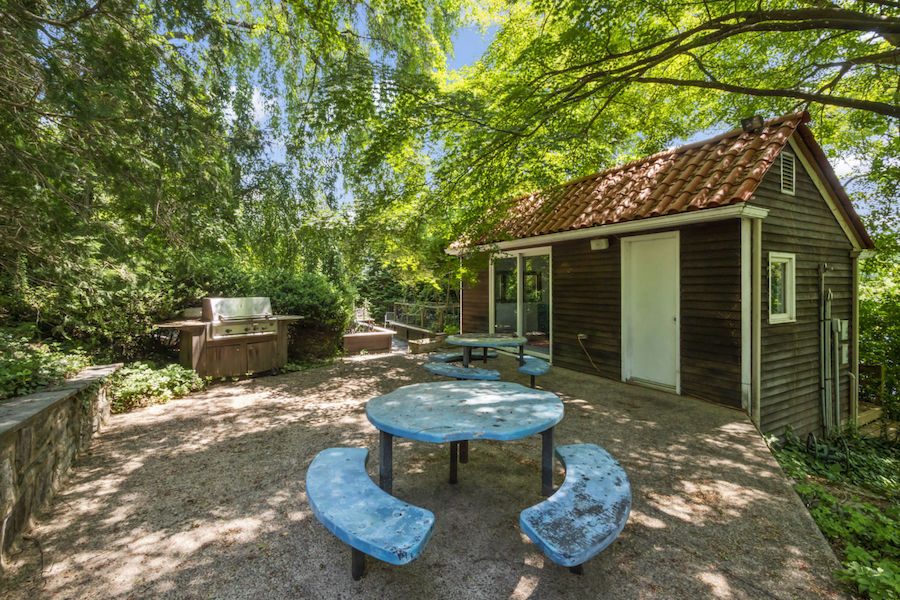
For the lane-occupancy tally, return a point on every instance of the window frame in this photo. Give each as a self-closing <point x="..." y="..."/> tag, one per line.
<point x="520" y="255"/>
<point x="790" y="287"/>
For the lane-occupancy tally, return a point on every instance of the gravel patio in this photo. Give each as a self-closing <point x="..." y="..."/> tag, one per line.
<point x="203" y="497"/>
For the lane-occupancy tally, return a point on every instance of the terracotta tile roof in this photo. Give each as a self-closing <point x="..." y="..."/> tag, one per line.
<point x="720" y="171"/>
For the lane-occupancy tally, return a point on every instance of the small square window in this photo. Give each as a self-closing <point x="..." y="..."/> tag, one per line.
<point x="782" y="284"/>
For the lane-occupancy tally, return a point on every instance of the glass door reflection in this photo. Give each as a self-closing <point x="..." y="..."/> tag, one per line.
<point x="536" y="303"/>
<point x="506" y="285"/>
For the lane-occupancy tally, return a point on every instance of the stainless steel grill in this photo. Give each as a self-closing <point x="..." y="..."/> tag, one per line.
<point x="229" y="317"/>
<point x="233" y="336"/>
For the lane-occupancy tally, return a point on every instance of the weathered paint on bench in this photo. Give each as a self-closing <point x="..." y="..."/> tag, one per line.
<point x="346" y="500"/>
<point x="458" y="372"/>
<point x="446" y="411"/>
<point x="450" y="357"/>
<point x="586" y="513"/>
<point x="534" y="366"/>
<point x="457" y="411"/>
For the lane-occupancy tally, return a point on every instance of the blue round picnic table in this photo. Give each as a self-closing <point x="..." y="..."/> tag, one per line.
<point x="458" y="411"/>
<point x="487" y="340"/>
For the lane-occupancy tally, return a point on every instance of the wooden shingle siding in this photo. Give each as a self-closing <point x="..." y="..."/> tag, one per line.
<point x="803" y="225"/>
<point x="711" y="312"/>
<point x="586" y="299"/>
<point x="474" y="299"/>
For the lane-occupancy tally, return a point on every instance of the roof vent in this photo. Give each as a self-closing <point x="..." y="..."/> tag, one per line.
<point x="751" y="124"/>
<point x="788" y="173"/>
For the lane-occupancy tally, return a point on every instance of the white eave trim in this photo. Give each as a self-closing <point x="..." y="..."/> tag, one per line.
<point x="707" y="215"/>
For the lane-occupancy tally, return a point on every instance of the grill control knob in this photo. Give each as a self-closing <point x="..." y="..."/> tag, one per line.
<point x="227" y="331"/>
<point x="246" y="329"/>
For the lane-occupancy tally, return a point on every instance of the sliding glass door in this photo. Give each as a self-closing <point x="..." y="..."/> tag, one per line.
<point x="521" y="297"/>
<point x="506" y="286"/>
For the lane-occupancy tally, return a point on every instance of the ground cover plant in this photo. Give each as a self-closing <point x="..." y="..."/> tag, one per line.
<point x="851" y="486"/>
<point x="143" y="383"/>
<point x="27" y="364"/>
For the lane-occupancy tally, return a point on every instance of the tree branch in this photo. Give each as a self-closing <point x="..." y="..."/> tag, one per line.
<point x="880" y="108"/>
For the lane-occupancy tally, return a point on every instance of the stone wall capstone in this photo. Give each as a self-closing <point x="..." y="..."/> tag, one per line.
<point x="41" y="434"/>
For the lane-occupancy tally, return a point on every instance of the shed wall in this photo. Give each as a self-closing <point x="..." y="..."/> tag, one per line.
<point x="587" y="299"/>
<point x="711" y="312"/>
<point x="473" y="307"/>
<point x="804" y="225"/>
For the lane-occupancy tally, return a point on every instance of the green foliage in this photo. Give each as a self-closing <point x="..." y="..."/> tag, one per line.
<point x="869" y="538"/>
<point x="27" y="364"/>
<point x="144" y="383"/>
<point x="870" y="463"/>
<point x="879" y="317"/>
<point x="324" y="305"/>
<point x="866" y="534"/>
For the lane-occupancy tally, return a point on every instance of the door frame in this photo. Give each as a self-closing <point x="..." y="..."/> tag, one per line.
<point x="520" y="291"/>
<point x="625" y="278"/>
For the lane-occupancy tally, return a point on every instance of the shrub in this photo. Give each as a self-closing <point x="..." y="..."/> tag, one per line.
<point x="27" y="365"/>
<point x="324" y="306"/>
<point x="143" y="383"/>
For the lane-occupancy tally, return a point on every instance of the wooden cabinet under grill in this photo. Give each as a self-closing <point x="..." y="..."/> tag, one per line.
<point x="232" y="356"/>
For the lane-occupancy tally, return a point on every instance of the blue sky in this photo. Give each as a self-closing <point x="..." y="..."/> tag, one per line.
<point x="468" y="46"/>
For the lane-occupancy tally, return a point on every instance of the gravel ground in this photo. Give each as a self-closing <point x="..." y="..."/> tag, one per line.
<point x="203" y="497"/>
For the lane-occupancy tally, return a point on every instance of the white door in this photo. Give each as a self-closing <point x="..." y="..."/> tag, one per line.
<point x="650" y="310"/>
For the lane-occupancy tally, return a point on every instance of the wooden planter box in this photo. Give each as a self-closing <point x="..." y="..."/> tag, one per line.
<point x="427" y="344"/>
<point x="377" y="339"/>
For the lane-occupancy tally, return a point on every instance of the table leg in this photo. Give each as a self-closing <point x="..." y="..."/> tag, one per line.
<point x="467" y="356"/>
<point x="464" y="451"/>
<point x="454" y="452"/>
<point x="386" y="461"/>
<point x="521" y="354"/>
<point x="484" y="356"/>
<point x="547" y="462"/>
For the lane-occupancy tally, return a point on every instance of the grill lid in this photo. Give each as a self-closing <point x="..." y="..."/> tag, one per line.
<point x="236" y="309"/>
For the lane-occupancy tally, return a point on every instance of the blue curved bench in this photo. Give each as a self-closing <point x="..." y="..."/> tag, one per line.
<point x="349" y="504"/>
<point x="534" y="366"/>
<point x="453" y="356"/>
<point x="448" y="370"/>
<point x="586" y="513"/>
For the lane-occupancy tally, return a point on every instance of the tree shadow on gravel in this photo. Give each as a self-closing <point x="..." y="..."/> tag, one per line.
<point x="204" y="498"/>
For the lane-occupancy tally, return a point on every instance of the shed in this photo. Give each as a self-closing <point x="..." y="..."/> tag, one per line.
<point x="725" y="270"/>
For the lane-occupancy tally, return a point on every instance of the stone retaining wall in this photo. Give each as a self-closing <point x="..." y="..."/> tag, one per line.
<point x="40" y="436"/>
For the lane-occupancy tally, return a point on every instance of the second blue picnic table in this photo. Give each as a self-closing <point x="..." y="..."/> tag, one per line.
<point x="487" y="340"/>
<point x="458" y="411"/>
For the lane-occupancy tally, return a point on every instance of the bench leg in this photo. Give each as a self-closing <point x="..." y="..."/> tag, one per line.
<point x="358" y="564"/>
<point x="454" y="452"/>
<point x="464" y="451"/>
<point x="386" y="461"/>
<point x="547" y="462"/>
<point x="577" y="569"/>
